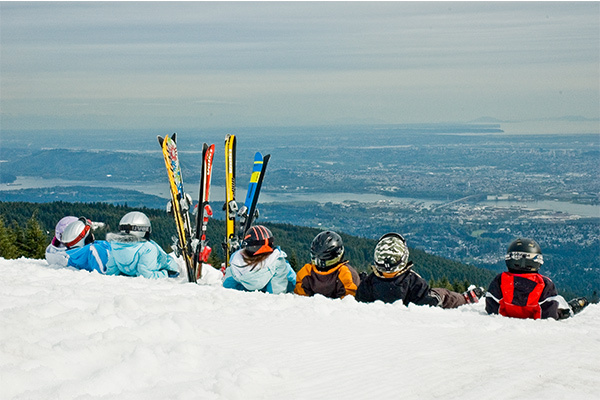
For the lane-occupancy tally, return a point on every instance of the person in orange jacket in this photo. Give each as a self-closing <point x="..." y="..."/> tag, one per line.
<point x="328" y="274"/>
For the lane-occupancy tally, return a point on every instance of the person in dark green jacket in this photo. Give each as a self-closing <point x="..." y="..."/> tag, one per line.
<point x="393" y="279"/>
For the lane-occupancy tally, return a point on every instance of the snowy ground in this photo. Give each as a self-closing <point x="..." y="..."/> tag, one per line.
<point x="67" y="334"/>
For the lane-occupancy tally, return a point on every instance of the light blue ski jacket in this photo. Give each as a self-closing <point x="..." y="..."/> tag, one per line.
<point x="273" y="275"/>
<point x="135" y="256"/>
<point x="91" y="257"/>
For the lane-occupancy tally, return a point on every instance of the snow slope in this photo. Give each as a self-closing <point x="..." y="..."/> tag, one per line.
<point x="67" y="334"/>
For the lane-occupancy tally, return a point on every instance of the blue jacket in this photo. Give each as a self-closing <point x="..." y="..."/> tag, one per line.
<point x="273" y="275"/>
<point x="135" y="256"/>
<point x="92" y="257"/>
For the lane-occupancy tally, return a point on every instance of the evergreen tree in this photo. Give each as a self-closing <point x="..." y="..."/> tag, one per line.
<point x="293" y="259"/>
<point x="35" y="240"/>
<point x="8" y="247"/>
<point x="19" y="236"/>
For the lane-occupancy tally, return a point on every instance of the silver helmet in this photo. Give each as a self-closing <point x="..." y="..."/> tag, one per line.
<point x="77" y="234"/>
<point x="136" y="223"/>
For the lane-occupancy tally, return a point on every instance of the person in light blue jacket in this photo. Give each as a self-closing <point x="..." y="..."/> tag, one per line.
<point x="82" y="250"/>
<point x="134" y="254"/>
<point x="260" y="266"/>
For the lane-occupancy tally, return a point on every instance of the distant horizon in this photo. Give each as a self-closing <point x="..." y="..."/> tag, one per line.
<point x="484" y="121"/>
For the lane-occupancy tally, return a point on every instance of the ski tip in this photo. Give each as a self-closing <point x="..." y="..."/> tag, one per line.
<point x="174" y="136"/>
<point x="160" y="140"/>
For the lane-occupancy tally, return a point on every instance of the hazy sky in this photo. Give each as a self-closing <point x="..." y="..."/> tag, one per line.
<point x="190" y="64"/>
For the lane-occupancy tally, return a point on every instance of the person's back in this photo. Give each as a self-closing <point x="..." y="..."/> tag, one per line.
<point x="134" y="254"/>
<point x="328" y="274"/>
<point x="259" y="265"/>
<point x="524" y="295"/>
<point x="407" y="286"/>
<point x="83" y="251"/>
<point x="523" y="292"/>
<point x="393" y="279"/>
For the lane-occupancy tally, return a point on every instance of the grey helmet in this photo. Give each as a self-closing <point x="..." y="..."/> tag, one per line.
<point x="524" y="255"/>
<point x="62" y="224"/>
<point x="327" y="250"/>
<point x="136" y="223"/>
<point x="77" y="234"/>
<point x="391" y="254"/>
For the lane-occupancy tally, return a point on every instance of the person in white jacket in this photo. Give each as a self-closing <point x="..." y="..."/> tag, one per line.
<point x="259" y="265"/>
<point x="56" y="250"/>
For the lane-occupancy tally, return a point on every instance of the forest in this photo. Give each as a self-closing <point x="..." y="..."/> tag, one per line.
<point x="27" y="228"/>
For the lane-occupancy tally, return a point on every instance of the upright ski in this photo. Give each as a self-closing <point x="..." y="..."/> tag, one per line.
<point x="180" y="203"/>
<point x="230" y="207"/>
<point x="204" y="211"/>
<point x="248" y="213"/>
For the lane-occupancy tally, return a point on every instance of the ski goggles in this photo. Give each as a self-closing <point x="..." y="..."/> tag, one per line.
<point x="134" y="228"/>
<point x="519" y="255"/>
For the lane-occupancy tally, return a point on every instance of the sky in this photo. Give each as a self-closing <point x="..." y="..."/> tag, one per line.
<point x="113" y="65"/>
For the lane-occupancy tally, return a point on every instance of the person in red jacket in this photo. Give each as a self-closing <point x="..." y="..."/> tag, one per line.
<point x="522" y="292"/>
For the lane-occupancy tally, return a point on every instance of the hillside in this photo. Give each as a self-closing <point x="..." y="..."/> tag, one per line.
<point x="295" y="240"/>
<point x="71" y="334"/>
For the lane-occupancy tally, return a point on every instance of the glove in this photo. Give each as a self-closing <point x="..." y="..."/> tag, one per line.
<point x="578" y="304"/>
<point x="473" y="294"/>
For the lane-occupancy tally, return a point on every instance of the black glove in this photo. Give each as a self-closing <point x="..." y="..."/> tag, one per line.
<point x="578" y="304"/>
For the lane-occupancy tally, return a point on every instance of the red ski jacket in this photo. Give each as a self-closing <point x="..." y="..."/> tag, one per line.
<point x="528" y="295"/>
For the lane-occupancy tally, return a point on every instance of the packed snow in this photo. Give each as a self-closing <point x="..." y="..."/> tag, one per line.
<point x="69" y="334"/>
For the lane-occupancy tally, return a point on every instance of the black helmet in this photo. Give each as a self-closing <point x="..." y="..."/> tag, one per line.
<point x="524" y="255"/>
<point x="327" y="250"/>
<point x="258" y="240"/>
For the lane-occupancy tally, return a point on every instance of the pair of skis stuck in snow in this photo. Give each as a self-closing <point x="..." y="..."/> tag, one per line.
<point x="248" y="213"/>
<point x="190" y="244"/>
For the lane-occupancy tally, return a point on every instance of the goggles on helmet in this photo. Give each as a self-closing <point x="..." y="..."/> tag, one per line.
<point x="519" y="255"/>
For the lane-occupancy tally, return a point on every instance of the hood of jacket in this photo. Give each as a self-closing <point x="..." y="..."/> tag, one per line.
<point x="125" y="249"/>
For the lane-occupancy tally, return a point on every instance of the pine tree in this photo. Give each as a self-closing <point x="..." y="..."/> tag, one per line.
<point x="294" y="261"/>
<point x="35" y="239"/>
<point x="8" y="247"/>
<point x="19" y="236"/>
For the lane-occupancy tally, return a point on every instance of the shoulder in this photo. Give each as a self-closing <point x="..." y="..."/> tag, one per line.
<point x="346" y="269"/>
<point x="306" y="270"/>
<point x="237" y="259"/>
<point x="279" y="253"/>
<point x="549" y="287"/>
<point x="414" y="277"/>
<point x="101" y="244"/>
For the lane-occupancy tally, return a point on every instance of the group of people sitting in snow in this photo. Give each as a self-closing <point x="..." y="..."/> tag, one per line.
<point x="260" y="265"/>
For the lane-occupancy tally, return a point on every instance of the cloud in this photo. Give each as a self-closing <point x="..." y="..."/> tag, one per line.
<point x="285" y="57"/>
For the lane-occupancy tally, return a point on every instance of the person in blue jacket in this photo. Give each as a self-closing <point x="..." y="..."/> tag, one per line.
<point x="259" y="265"/>
<point x="133" y="253"/>
<point x="83" y="251"/>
